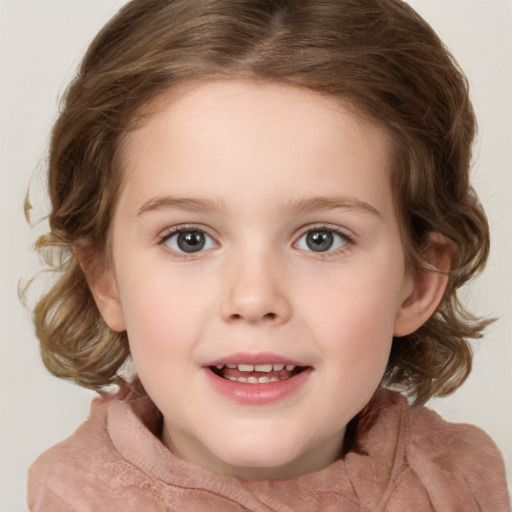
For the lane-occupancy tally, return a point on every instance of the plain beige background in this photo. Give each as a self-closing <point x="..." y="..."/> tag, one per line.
<point x="41" y="42"/>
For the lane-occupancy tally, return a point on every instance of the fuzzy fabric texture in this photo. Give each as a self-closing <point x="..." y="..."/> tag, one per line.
<point x="408" y="460"/>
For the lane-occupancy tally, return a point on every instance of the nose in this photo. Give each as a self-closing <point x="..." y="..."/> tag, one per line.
<point x="255" y="292"/>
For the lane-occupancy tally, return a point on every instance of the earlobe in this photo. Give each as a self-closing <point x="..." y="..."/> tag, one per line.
<point x="101" y="280"/>
<point x="426" y="286"/>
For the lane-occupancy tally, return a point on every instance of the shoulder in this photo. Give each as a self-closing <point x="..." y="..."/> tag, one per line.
<point x="454" y="462"/>
<point x="452" y="444"/>
<point x="82" y="471"/>
<point x="55" y="476"/>
<point x="433" y="435"/>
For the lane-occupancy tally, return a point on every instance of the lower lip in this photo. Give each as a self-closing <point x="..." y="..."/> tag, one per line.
<point x="258" y="394"/>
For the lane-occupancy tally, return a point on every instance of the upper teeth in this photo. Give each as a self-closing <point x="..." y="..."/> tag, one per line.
<point x="257" y="367"/>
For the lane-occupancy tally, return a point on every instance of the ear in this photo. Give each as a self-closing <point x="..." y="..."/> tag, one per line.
<point x="424" y="289"/>
<point x="102" y="283"/>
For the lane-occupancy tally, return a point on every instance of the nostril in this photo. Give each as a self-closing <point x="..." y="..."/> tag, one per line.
<point x="238" y="316"/>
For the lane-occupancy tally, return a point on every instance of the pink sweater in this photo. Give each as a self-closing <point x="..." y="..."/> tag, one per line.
<point x="410" y="461"/>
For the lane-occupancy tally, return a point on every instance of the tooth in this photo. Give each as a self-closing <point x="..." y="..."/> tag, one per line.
<point x="278" y="367"/>
<point x="242" y="379"/>
<point x="252" y="380"/>
<point x="219" y="366"/>
<point x="246" y="367"/>
<point x="263" y="368"/>
<point x="289" y="367"/>
<point x="230" y="377"/>
<point x="263" y="380"/>
<point x="232" y="366"/>
<point x="274" y="379"/>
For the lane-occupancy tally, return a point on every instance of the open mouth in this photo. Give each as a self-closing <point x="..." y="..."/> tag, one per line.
<point x="257" y="373"/>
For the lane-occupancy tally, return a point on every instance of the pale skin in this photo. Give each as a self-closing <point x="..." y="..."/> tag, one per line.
<point x="259" y="170"/>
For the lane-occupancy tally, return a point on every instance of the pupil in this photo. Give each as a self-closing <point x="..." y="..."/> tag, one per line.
<point x="319" y="241"/>
<point x="191" y="241"/>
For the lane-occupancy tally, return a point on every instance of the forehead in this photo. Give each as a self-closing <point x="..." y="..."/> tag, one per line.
<point x="218" y="136"/>
<point x="251" y="102"/>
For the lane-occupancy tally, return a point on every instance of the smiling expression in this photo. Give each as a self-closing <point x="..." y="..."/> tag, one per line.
<point x="259" y="273"/>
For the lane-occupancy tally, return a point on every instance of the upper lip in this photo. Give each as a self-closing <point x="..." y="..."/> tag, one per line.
<point x="255" y="358"/>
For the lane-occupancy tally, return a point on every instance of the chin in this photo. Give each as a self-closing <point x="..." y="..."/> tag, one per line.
<point x="263" y="460"/>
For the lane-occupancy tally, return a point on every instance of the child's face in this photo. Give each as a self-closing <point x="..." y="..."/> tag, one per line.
<point x="256" y="226"/>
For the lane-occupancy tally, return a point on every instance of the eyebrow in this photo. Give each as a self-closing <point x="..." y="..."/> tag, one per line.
<point x="179" y="203"/>
<point x="307" y="205"/>
<point x="330" y="203"/>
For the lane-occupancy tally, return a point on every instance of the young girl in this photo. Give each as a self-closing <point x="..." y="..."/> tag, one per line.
<point x="264" y="204"/>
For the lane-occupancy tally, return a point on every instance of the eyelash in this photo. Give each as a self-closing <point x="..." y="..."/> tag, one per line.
<point x="176" y="230"/>
<point x="348" y="240"/>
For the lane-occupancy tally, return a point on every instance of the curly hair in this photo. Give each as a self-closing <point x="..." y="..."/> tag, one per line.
<point x="377" y="55"/>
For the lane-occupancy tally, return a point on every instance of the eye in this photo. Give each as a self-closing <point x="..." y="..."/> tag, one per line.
<point x="322" y="240"/>
<point x="189" y="241"/>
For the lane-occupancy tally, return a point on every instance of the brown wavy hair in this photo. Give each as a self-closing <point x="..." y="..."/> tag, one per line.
<point x="377" y="55"/>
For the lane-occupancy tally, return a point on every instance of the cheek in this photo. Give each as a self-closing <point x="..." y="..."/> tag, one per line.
<point x="357" y="299"/>
<point x="354" y="319"/>
<point x="162" y="315"/>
